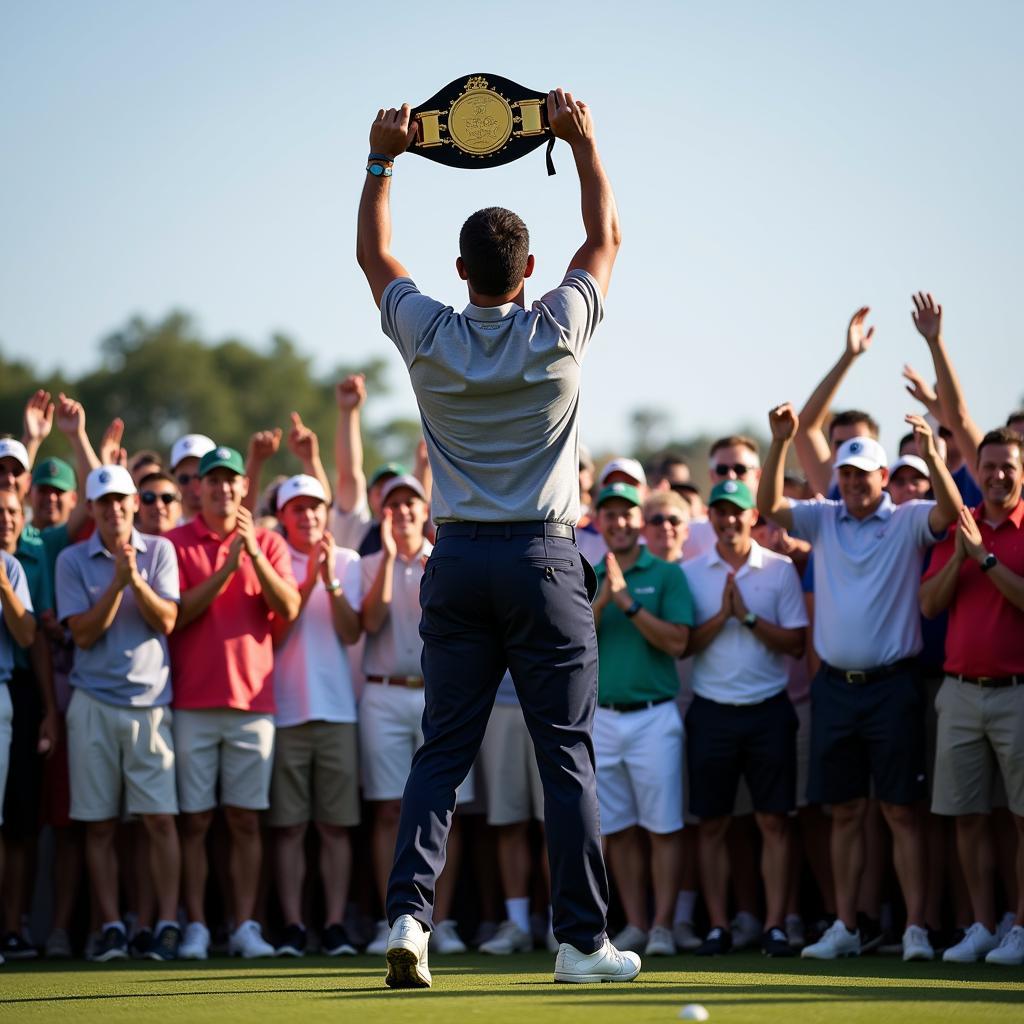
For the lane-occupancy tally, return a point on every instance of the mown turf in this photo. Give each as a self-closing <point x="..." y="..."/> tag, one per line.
<point x="736" y="989"/>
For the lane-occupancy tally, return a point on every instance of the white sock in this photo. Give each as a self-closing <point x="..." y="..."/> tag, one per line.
<point x="119" y="925"/>
<point x="685" y="902"/>
<point x="518" y="912"/>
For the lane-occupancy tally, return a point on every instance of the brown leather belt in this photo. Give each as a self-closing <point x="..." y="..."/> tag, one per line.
<point x="993" y="682"/>
<point x="410" y="682"/>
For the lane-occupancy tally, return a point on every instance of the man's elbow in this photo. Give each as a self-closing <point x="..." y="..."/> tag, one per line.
<point x="679" y="642"/>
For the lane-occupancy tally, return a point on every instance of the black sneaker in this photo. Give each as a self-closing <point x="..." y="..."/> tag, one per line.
<point x="14" y="947"/>
<point x="113" y="945"/>
<point x="335" y="941"/>
<point x="870" y="929"/>
<point x="165" y="945"/>
<point x="719" y="941"/>
<point x="294" y="941"/>
<point x="774" y="942"/>
<point x="140" y="945"/>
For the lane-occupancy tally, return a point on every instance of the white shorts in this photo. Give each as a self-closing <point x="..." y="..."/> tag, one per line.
<point x="236" y="746"/>
<point x="640" y="768"/>
<point x="390" y="732"/>
<point x="514" y="790"/>
<point x="6" y="717"/>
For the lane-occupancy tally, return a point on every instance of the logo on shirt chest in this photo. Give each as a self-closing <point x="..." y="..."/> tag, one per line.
<point x="644" y="590"/>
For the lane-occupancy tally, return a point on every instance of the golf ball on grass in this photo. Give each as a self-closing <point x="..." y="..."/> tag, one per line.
<point x="693" y="1011"/>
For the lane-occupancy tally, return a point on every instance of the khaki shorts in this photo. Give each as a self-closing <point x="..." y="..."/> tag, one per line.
<point x="514" y="791"/>
<point x="235" y="746"/>
<point x="980" y="733"/>
<point x="6" y="717"/>
<point x="110" y="747"/>
<point x="315" y="775"/>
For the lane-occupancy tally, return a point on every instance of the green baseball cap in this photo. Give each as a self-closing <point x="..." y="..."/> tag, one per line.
<point x="620" y="490"/>
<point x="733" y="491"/>
<point x="54" y="473"/>
<point x="224" y="457"/>
<point x="388" y="469"/>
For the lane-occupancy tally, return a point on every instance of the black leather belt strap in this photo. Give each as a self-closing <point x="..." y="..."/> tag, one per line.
<point x="637" y="705"/>
<point x="860" y="676"/>
<point x="536" y="529"/>
<point x="991" y="682"/>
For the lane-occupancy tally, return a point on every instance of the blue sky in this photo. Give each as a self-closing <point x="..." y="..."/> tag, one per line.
<point x="776" y="166"/>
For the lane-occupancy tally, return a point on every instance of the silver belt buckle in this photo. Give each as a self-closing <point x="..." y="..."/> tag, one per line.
<point x="856" y="677"/>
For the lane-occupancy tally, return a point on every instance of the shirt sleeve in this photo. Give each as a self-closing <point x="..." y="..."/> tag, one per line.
<point x="349" y="528"/>
<point x="677" y="601"/>
<point x="406" y="316"/>
<point x="921" y="528"/>
<point x="348" y="569"/>
<point x="19" y="581"/>
<point x="807" y="516"/>
<point x="73" y="596"/>
<point x="941" y="554"/>
<point x="164" y="581"/>
<point x="575" y="307"/>
<point x="791" y="606"/>
<point x="276" y="551"/>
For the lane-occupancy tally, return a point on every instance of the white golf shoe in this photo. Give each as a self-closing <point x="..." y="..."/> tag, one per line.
<point x="607" y="964"/>
<point x="407" y="954"/>
<point x="972" y="947"/>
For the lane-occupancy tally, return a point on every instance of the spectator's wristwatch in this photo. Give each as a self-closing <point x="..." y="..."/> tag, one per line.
<point x="988" y="562"/>
<point x="334" y="586"/>
<point x="632" y="609"/>
<point x="750" y="620"/>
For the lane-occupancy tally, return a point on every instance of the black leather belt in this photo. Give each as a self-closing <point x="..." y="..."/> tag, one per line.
<point x="637" y="705"/>
<point x="991" y="682"/>
<point x="860" y="676"/>
<point x="536" y="529"/>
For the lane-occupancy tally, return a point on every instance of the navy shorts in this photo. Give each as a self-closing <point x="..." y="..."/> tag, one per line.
<point x="864" y="732"/>
<point x="755" y="741"/>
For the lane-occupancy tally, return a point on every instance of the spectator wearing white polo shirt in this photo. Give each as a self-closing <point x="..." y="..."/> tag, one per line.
<point x="391" y="707"/>
<point x="316" y="759"/>
<point x="867" y="722"/>
<point x="118" y="593"/>
<point x="750" y="611"/>
<point x="186" y="454"/>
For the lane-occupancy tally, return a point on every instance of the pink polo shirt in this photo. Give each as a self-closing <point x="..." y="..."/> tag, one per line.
<point x="225" y="658"/>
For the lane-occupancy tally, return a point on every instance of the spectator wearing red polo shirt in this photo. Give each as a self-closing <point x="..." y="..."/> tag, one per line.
<point x="235" y="581"/>
<point x="978" y="574"/>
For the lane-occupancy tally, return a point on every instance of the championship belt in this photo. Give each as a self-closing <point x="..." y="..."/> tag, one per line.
<point x="482" y="121"/>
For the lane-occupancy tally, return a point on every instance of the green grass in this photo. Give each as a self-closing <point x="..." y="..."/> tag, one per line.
<point x="738" y="989"/>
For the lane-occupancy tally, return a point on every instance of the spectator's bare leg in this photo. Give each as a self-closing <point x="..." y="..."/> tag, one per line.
<point x="290" y="862"/>
<point x="869" y="891"/>
<point x="743" y="865"/>
<point x="514" y="860"/>
<point x="246" y="855"/>
<point x="974" y="844"/>
<point x="101" y="856"/>
<point x="1006" y="848"/>
<point x="775" y="836"/>
<point x="193" y="860"/>
<point x="935" y="831"/>
<point x="164" y="863"/>
<point x="67" y="871"/>
<point x="335" y="869"/>
<point x="629" y="869"/>
<point x="666" y="851"/>
<point x="908" y="854"/>
<point x="714" y="869"/>
<point x="848" y="856"/>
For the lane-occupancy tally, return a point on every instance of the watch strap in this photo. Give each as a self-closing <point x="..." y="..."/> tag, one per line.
<point x="632" y="609"/>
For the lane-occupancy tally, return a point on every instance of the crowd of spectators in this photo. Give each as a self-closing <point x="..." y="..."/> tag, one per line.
<point x="810" y="731"/>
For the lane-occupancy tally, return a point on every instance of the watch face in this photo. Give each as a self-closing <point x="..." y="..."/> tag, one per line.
<point x="376" y="170"/>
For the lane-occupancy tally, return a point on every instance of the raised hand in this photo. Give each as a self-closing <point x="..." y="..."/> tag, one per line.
<point x="727" y="592"/>
<point x="570" y="119"/>
<point x="111" y="453"/>
<point x="387" y="536"/>
<point x="351" y="392"/>
<point x="70" y="417"/>
<point x="616" y="581"/>
<point x="234" y="553"/>
<point x="924" y="436"/>
<point x="264" y="444"/>
<point x="38" y="417"/>
<point x="921" y="391"/>
<point x="927" y="317"/>
<point x="302" y="441"/>
<point x="858" y="341"/>
<point x="783" y="421"/>
<point x="970" y="535"/>
<point x="393" y="131"/>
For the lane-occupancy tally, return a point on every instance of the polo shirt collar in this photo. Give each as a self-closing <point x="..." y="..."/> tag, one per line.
<point x="644" y="560"/>
<point x="1016" y="516"/>
<point x="30" y="548"/>
<point x="755" y="557"/>
<point x="884" y="511"/>
<point x="96" y="546"/>
<point x="490" y="313"/>
<point x="203" y="532"/>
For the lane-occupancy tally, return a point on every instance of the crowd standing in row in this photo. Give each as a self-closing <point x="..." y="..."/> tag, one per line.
<point x="193" y="670"/>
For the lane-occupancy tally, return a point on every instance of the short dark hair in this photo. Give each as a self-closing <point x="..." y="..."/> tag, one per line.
<point x="1017" y="414"/>
<point x="1001" y="435"/>
<point x="152" y="478"/>
<point x="144" y="458"/>
<point x="905" y="440"/>
<point x="735" y="441"/>
<point x="658" y="467"/>
<point x="494" y="245"/>
<point x="851" y="417"/>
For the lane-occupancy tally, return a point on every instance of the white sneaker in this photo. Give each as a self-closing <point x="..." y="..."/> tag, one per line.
<point x="407" y="954"/>
<point x="509" y="938"/>
<point x="247" y="941"/>
<point x="746" y="930"/>
<point x="836" y="942"/>
<point x="631" y="938"/>
<point x="972" y="947"/>
<point x="196" y="943"/>
<point x="684" y="936"/>
<point x="607" y="964"/>
<point x="379" y="945"/>
<point x="1009" y="952"/>
<point x="1006" y="922"/>
<point x="660" y="942"/>
<point x="916" y="945"/>
<point x="444" y="939"/>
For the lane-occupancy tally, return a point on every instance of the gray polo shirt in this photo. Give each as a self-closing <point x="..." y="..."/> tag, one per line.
<point x="395" y="649"/>
<point x="499" y="396"/>
<point x="19" y="582"/>
<point x="129" y="665"/>
<point x="866" y="576"/>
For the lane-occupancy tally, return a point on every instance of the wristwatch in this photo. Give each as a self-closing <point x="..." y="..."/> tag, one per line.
<point x="632" y="609"/>
<point x="334" y="586"/>
<point x="750" y="620"/>
<point x="988" y="562"/>
<point x="256" y="555"/>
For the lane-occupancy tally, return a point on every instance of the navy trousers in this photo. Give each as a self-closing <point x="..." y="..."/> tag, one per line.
<point x="491" y="602"/>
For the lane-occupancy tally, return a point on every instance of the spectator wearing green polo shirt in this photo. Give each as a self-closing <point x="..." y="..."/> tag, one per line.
<point x="643" y="612"/>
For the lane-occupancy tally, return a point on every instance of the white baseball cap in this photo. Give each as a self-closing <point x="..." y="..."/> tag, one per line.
<point x="191" y="446"/>
<point x="630" y="467"/>
<point x="301" y="486"/>
<point x="398" y="482"/>
<point x="108" y="480"/>
<point x="11" y="449"/>
<point x="914" y="462"/>
<point x="862" y="453"/>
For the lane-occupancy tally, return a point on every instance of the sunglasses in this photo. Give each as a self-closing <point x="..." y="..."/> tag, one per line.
<point x="659" y="520"/>
<point x="151" y="498"/>
<point x="739" y="468"/>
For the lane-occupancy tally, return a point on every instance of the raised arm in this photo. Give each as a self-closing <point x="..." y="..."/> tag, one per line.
<point x="377" y="600"/>
<point x="927" y="317"/>
<point x="71" y="422"/>
<point x="812" y="447"/>
<point x="771" y="502"/>
<point x="571" y="121"/>
<point x="305" y="446"/>
<point x="947" y="498"/>
<point x="37" y="423"/>
<point x="350" y="394"/>
<point x="391" y="134"/>
<point x="263" y="446"/>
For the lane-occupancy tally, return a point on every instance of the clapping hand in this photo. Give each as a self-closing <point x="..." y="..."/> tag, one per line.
<point x="38" y="417"/>
<point x="969" y="535"/>
<point x="387" y="536"/>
